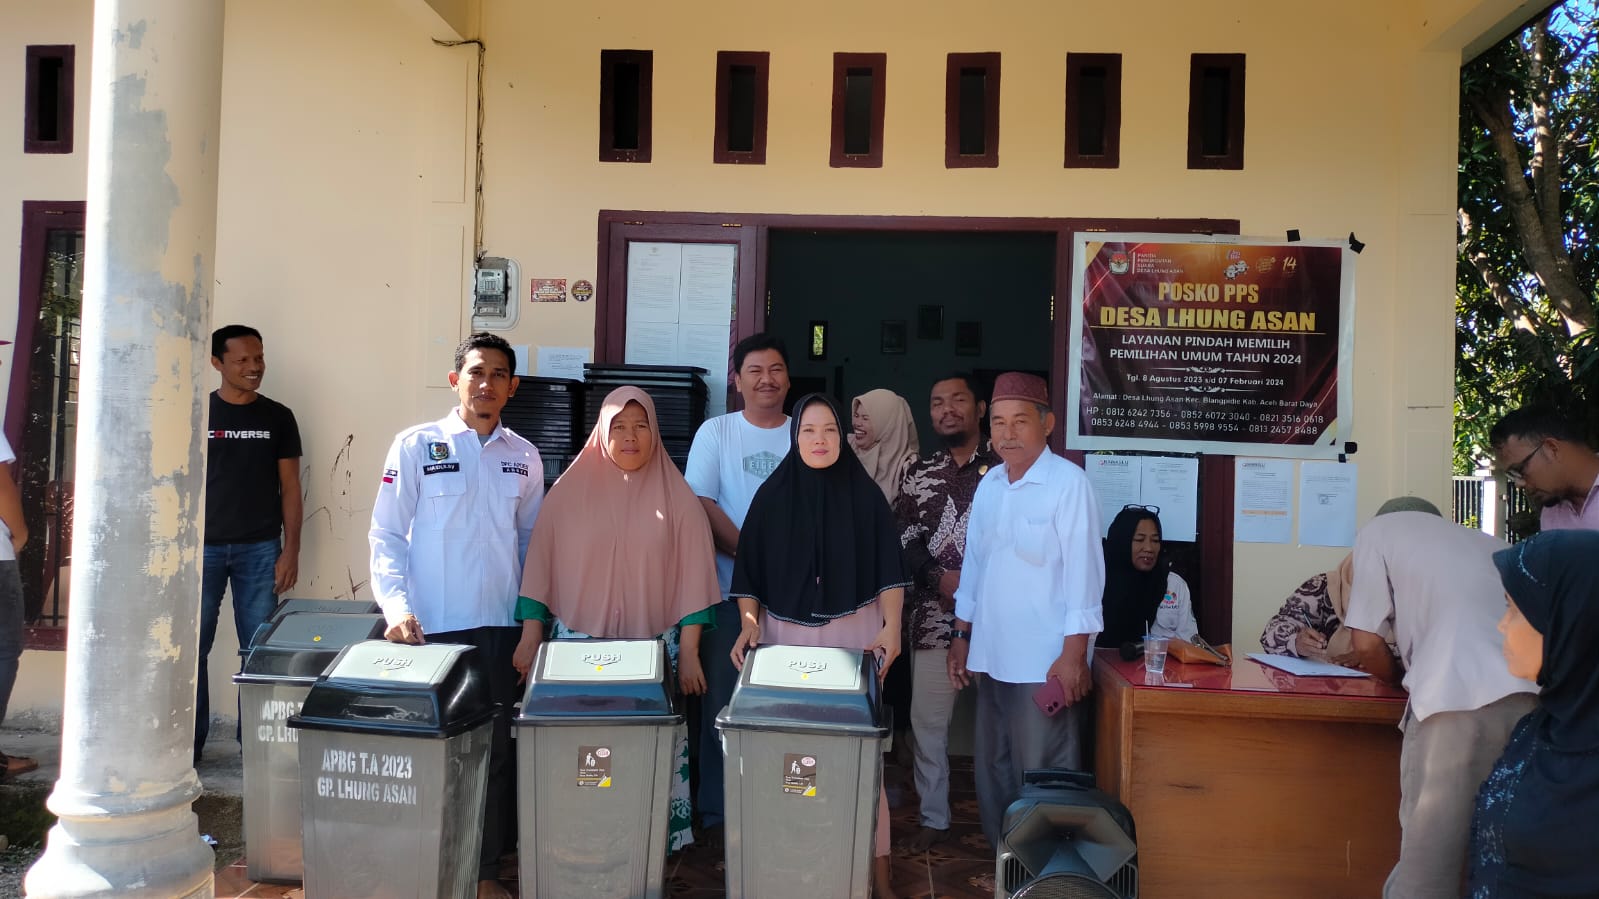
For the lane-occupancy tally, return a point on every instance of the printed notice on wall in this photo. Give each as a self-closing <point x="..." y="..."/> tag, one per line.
<point x="563" y="361"/>
<point x="355" y="775"/>
<point x="1262" y="501"/>
<point x="594" y="766"/>
<point x="680" y="309"/>
<point x="1210" y="344"/>
<point x="799" y="775"/>
<point x="1327" y="503"/>
<point x="1167" y="483"/>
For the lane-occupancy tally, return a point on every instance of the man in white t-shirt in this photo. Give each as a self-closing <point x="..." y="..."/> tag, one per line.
<point x="731" y="457"/>
<point x="13" y="533"/>
<point x="1434" y="584"/>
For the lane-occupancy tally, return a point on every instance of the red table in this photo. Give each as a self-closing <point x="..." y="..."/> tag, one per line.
<point x="1248" y="781"/>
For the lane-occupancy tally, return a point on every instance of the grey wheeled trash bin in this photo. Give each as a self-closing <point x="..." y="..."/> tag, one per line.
<point x="278" y="672"/>
<point x="802" y="742"/>
<point x="394" y="755"/>
<point x="596" y="744"/>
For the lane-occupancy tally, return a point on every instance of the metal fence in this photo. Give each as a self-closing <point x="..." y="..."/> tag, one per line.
<point x="1495" y="506"/>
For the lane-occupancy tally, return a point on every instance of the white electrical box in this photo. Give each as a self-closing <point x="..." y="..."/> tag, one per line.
<point x="494" y="305"/>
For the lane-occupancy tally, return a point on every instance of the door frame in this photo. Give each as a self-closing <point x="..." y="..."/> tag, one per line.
<point x="750" y="230"/>
<point x="39" y="218"/>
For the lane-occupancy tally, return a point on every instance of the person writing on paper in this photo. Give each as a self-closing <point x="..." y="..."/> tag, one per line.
<point x="1533" y="833"/>
<point x="819" y="564"/>
<point x="1435" y="584"/>
<point x="1142" y="593"/>
<point x="622" y="549"/>
<point x="1310" y="625"/>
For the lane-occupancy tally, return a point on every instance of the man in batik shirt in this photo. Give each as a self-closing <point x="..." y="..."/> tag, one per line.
<point x="932" y="509"/>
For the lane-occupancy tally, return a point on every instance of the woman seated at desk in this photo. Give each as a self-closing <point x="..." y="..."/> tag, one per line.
<point x="1142" y="593"/>
<point x="1313" y="617"/>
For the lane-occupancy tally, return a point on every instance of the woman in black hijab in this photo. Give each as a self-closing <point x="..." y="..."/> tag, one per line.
<point x="1536" y="829"/>
<point x="1142" y="593"/>
<point x="818" y="562"/>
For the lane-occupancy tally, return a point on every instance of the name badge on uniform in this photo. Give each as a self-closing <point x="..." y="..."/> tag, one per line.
<point x="441" y="467"/>
<point x="438" y="450"/>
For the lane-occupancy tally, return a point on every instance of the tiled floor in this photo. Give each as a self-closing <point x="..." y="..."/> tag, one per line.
<point x="960" y="868"/>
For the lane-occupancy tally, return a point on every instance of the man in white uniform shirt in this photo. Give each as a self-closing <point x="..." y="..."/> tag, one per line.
<point x="1028" y="605"/>
<point x="1434" y="584"/>
<point x="731" y="457"/>
<point x="449" y="532"/>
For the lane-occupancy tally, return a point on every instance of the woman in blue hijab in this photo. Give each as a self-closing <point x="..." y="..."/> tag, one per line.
<point x="1536" y="829"/>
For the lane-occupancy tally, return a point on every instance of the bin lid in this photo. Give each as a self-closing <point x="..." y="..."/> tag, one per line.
<point x="434" y="690"/>
<point x="341" y="606"/>
<point x="807" y="688"/>
<point x="594" y="681"/>
<point x="298" y="646"/>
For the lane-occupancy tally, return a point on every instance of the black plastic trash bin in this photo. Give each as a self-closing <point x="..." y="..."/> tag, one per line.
<point x="394" y="755"/>
<point x="802" y="744"/>
<point x="278" y="672"/>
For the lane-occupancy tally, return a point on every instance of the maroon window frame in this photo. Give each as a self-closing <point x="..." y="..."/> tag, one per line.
<point x="1111" y="155"/>
<point x="958" y="64"/>
<point x="39" y="218"/>
<point x="842" y="64"/>
<point x="1199" y="65"/>
<point x="726" y="62"/>
<point x="37" y="55"/>
<point x="609" y="60"/>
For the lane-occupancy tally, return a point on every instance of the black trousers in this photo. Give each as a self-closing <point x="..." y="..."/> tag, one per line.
<point x="495" y="646"/>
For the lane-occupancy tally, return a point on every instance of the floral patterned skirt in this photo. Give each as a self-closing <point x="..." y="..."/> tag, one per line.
<point x="680" y="820"/>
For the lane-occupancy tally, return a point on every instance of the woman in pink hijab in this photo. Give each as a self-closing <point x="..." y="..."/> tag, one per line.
<point x="622" y="549"/>
<point x="883" y="436"/>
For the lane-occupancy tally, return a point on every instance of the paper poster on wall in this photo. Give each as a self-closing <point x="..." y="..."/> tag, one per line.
<point x="523" y="359"/>
<point x="680" y="309"/>
<point x="1171" y="483"/>
<point x="1117" y="482"/>
<point x="1327" y="503"/>
<point x="563" y="361"/>
<point x="1190" y="343"/>
<point x="653" y="271"/>
<point x="1262" y="500"/>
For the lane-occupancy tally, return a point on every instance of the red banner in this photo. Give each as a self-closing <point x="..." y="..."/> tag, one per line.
<point x="1205" y="346"/>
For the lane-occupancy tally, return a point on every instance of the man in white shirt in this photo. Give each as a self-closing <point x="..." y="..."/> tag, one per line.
<point x="450" y="529"/>
<point x="731" y="457"/>
<point x="1434" y="584"/>
<point x="1028" y="605"/>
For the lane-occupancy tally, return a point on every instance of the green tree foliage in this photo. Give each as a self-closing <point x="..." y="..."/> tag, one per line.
<point x="1525" y="299"/>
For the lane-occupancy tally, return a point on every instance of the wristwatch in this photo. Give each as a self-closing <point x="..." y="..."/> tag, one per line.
<point x="958" y="634"/>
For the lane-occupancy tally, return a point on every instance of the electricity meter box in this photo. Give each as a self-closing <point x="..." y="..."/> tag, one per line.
<point x="802" y="743"/>
<point x="394" y="754"/>
<point x="289" y="653"/>
<point x="597" y="741"/>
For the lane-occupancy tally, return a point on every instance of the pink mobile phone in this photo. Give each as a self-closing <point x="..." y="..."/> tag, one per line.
<point x="1050" y="697"/>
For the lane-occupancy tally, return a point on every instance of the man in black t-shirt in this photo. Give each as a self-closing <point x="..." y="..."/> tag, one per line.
<point x="253" y="507"/>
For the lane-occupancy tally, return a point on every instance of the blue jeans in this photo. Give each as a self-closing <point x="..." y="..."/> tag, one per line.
<point x="251" y="567"/>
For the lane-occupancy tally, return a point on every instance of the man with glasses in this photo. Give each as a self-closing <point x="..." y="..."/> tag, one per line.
<point x="1546" y="454"/>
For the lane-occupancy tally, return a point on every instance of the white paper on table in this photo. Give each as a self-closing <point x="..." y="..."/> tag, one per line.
<point x="1116" y="481"/>
<point x="706" y="347"/>
<point x="563" y="361"/>
<point x="524" y="362"/>
<point x="1306" y="667"/>
<point x="1171" y="483"/>
<point x="651" y="343"/>
<point x="1262" y="510"/>
<point x="1327" y="503"/>
<point x="706" y="292"/>
<point x="653" y="274"/>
